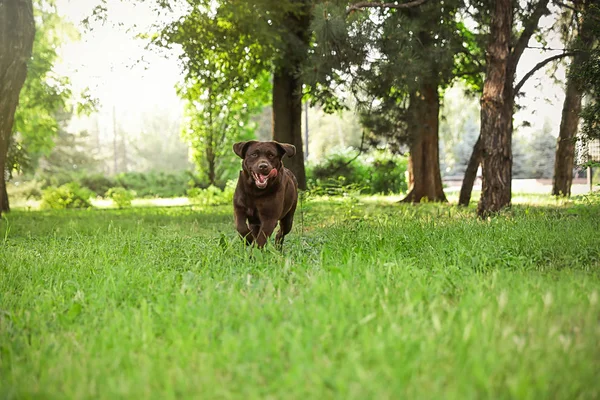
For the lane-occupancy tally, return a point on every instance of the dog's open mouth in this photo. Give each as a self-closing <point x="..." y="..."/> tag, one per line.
<point x="261" y="180"/>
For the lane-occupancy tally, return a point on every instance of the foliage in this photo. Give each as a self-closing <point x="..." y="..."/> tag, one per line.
<point x="377" y="173"/>
<point x="156" y="184"/>
<point x="145" y="184"/>
<point x="121" y="196"/>
<point x="213" y="196"/>
<point x="229" y="49"/>
<point x="588" y="71"/>
<point x="244" y="38"/>
<point x="384" y="55"/>
<point x="216" y="118"/>
<point x="404" y="302"/>
<point x="97" y="183"/>
<point x="70" y="195"/>
<point x="44" y="93"/>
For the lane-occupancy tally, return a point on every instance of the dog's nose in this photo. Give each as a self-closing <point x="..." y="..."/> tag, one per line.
<point x="263" y="166"/>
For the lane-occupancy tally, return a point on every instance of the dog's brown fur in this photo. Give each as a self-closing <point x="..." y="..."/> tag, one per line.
<point x="257" y="210"/>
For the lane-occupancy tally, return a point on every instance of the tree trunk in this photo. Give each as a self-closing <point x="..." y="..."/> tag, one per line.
<point x="17" y="31"/>
<point x="424" y="111"/>
<point x="470" y="175"/>
<point x="5" y="205"/>
<point x="565" y="147"/>
<point x="287" y="119"/>
<point x="287" y="88"/>
<point x="496" y="114"/>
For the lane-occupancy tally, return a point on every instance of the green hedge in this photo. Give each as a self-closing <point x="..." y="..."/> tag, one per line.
<point x="370" y="174"/>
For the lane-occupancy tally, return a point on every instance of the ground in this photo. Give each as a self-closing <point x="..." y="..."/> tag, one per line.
<point x="370" y="299"/>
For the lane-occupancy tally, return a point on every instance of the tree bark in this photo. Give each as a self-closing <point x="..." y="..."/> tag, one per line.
<point x="496" y="114"/>
<point x="17" y="32"/>
<point x="424" y="160"/>
<point x="287" y="119"/>
<point x="470" y="174"/>
<point x="287" y="88"/>
<point x="565" y="146"/>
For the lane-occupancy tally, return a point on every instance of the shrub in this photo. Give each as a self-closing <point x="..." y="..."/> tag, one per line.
<point x="338" y="167"/>
<point x="97" y="183"/>
<point x="342" y="172"/>
<point x="155" y="184"/>
<point x="212" y="196"/>
<point x="70" y="195"/>
<point x="388" y="174"/>
<point x="120" y="196"/>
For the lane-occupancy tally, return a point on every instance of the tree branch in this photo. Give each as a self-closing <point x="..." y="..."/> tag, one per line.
<point x="530" y="26"/>
<point x="541" y="65"/>
<point x="369" y="4"/>
<point x="545" y="48"/>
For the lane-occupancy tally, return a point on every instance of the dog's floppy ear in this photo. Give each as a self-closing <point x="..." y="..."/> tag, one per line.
<point x="240" y="148"/>
<point x="288" y="149"/>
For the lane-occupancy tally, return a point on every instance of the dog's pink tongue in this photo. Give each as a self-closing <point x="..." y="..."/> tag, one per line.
<point x="272" y="174"/>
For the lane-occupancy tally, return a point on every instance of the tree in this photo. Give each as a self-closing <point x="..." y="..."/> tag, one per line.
<point x="217" y="118"/>
<point x="17" y="32"/>
<point x="504" y="50"/>
<point x="44" y="95"/>
<point x="585" y="13"/>
<point x="248" y="39"/>
<point x="395" y="61"/>
<point x="496" y="112"/>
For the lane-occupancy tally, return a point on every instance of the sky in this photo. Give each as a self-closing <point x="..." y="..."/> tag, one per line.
<point x="108" y="61"/>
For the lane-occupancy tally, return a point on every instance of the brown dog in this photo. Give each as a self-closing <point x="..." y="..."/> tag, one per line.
<point x="266" y="191"/>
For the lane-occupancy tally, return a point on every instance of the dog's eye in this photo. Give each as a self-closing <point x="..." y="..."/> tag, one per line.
<point x="254" y="155"/>
<point x="271" y="155"/>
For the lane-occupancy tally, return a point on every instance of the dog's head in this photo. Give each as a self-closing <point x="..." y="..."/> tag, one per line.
<point x="262" y="160"/>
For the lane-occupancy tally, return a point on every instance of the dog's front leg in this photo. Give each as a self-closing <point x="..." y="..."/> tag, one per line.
<point x="266" y="230"/>
<point x="242" y="226"/>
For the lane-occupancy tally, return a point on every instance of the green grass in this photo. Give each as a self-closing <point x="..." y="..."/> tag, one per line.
<point x="370" y="300"/>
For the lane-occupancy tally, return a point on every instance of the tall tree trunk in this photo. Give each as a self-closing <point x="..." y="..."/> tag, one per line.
<point x="287" y="88"/>
<point x="498" y="100"/>
<point x="565" y="146"/>
<point x="496" y="114"/>
<point x="287" y="119"/>
<point x="17" y="31"/>
<point x="470" y="174"/>
<point x="424" y="111"/>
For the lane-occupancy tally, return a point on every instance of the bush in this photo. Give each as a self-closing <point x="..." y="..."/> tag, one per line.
<point x="120" y="196"/>
<point x="97" y="183"/>
<point x="338" y="167"/>
<point x="70" y="195"/>
<point x="340" y="172"/>
<point x="388" y="174"/>
<point x="212" y="196"/>
<point x="155" y="184"/>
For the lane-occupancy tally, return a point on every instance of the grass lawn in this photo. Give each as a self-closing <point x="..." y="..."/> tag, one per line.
<point x="370" y="300"/>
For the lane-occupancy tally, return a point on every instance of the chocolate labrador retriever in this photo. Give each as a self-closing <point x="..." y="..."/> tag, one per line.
<point x="266" y="191"/>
